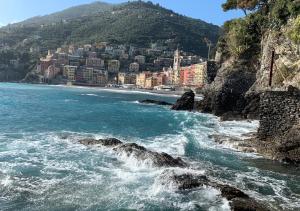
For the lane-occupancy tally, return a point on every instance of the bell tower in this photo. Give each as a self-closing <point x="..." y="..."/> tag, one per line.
<point x="176" y="67"/>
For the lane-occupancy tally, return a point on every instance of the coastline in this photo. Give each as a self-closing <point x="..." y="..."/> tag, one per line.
<point x="135" y="90"/>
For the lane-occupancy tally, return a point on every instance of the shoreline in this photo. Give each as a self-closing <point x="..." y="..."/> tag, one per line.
<point x="124" y="90"/>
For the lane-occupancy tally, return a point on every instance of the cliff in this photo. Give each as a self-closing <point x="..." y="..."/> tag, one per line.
<point x="241" y="87"/>
<point x="286" y="61"/>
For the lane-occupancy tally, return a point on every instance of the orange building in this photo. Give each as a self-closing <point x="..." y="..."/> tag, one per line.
<point x="193" y="76"/>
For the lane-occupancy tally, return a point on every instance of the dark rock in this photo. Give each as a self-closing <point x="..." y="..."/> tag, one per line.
<point x="137" y="151"/>
<point x="246" y="204"/>
<point x="186" y="102"/>
<point x="230" y="193"/>
<point x="293" y="89"/>
<point x="239" y="201"/>
<point x="227" y="94"/>
<point x="143" y="154"/>
<point x="109" y="142"/>
<point x="183" y="181"/>
<point x="156" y="102"/>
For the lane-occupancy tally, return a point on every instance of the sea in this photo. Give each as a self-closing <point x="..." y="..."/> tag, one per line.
<point x="44" y="167"/>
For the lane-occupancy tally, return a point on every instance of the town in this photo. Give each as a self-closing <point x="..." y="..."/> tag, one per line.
<point x="108" y="65"/>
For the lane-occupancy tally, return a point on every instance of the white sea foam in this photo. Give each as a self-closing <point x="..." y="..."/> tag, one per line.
<point x="94" y="95"/>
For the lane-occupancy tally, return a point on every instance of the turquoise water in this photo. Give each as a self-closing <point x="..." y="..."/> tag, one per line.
<point x="42" y="166"/>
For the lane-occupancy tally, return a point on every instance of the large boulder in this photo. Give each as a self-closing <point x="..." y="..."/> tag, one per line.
<point x="186" y="102"/>
<point x="227" y="96"/>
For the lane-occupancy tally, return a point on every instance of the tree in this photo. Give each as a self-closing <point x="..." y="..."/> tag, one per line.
<point x="294" y="32"/>
<point x="244" y="5"/>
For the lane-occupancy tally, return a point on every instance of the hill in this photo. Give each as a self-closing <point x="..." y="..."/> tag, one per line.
<point x="133" y="22"/>
<point x="68" y="14"/>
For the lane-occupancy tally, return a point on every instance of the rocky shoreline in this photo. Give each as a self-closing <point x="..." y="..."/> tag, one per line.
<point x="183" y="181"/>
<point x="278" y="136"/>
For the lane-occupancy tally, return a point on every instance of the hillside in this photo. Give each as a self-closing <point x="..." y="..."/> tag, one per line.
<point x="67" y="14"/>
<point x="135" y="23"/>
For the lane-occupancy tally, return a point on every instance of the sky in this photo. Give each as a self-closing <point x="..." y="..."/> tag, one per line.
<point x="12" y="11"/>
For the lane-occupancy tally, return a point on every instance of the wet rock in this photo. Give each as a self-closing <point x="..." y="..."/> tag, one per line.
<point x="109" y="142"/>
<point x="156" y="102"/>
<point x="186" y="102"/>
<point x="183" y="181"/>
<point x="246" y="144"/>
<point x="143" y="154"/>
<point x="230" y="193"/>
<point x="138" y="152"/>
<point x="238" y="200"/>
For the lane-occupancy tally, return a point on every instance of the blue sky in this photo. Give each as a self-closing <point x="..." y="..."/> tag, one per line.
<point x="208" y="10"/>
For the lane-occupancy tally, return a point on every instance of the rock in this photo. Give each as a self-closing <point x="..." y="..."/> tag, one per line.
<point x="238" y="200"/>
<point x="109" y="142"/>
<point x="226" y="96"/>
<point x="186" y="102"/>
<point x="183" y="181"/>
<point x="138" y="152"/>
<point x="230" y="193"/>
<point x="156" y="102"/>
<point x="143" y="154"/>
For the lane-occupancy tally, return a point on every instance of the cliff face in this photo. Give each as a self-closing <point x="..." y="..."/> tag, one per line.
<point x="241" y="90"/>
<point x="286" y="63"/>
<point x="235" y="91"/>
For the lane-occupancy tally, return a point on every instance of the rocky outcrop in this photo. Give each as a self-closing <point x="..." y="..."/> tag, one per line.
<point x="138" y="152"/>
<point x="186" y="102"/>
<point x="286" y="62"/>
<point x="226" y="96"/>
<point x="156" y="102"/>
<point x="238" y="200"/>
<point x="279" y="131"/>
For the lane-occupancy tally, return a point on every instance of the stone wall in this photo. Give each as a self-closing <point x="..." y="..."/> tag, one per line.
<point x="279" y="130"/>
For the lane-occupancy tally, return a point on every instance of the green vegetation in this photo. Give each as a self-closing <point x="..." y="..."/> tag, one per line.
<point x="137" y="23"/>
<point x="294" y="32"/>
<point x="242" y="37"/>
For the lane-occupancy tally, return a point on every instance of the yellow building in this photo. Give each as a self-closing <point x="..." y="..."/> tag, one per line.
<point x="125" y="78"/>
<point x="200" y="74"/>
<point x="141" y="79"/>
<point x="70" y="72"/>
<point x="150" y="82"/>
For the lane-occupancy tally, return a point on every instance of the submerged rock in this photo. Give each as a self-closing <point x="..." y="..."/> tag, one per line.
<point x="186" y="102"/>
<point x="156" y="102"/>
<point x="138" y="152"/>
<point x="238" y="200"/>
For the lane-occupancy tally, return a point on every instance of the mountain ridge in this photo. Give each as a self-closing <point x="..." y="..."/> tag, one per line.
<point x="134" y="22"/>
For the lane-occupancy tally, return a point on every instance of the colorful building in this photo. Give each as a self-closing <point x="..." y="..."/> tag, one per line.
<point x="126" y="78"/>
<point x="194" y="75"/>
<point x="141" y="79"/>
<point x="70" y="72"/>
